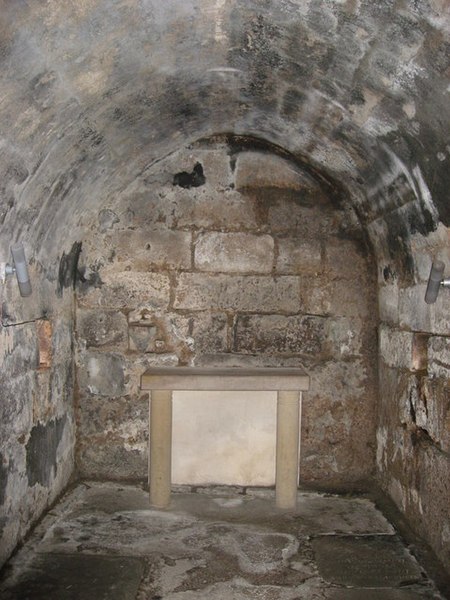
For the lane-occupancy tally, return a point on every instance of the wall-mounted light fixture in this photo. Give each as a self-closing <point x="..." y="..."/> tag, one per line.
<point x="436" y="281"/>
<point x="19" y="267"/>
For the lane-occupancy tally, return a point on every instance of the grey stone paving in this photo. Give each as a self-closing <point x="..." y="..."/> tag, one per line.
<point x="104" y="541"/>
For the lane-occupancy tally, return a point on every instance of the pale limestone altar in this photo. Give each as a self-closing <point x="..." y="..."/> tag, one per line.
<point x="287" y="382"/>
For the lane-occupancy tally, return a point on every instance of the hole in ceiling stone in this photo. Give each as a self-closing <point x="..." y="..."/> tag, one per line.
<point x="189" y="180"/>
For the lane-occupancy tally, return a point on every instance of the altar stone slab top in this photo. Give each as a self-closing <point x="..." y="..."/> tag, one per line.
<point x="239" y="379"/>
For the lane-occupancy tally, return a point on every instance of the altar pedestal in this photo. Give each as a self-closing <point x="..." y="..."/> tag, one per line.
<point x="287" y="382"/>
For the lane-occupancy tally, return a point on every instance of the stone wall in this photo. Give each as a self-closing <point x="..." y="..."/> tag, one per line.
<point x="413" y="453"/>
<point x="37" y="424"/>
<point x="223" y="257"/>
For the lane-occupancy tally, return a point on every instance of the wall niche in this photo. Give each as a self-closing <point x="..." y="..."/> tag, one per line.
<point x="225" y="255"/>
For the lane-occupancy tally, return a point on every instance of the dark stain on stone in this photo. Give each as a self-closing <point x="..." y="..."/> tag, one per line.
<point x="3" y="479"/>
<point x="398" y="240"/>
<point x="92" y="136"/>
<point x="189" y="180"/>
<point x="42" y="89"/>
<point x="357" y="96"/>
<point x="41" y="451"/>
<point x="68" y="266"/>
<point x="88" y="278"/>
<point x="388" y="274"/>
<point x="293" y="101"/>
<point x="63" y="186"/>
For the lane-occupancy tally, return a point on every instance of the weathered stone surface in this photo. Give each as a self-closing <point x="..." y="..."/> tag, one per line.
<point x="216" y="166"/>
<point x="414" y="313"/>
<point x="128" y="290"/>
<point x="209" y="332"/>
<point x="347" y="337"/>
<point x="439" y="357"/>
<point x="319" y="296"/>
<point x="379" y="561"/>
<point x="412" y="459"/>
<point x="155" y="331"/>
<point x="228" y="210"/>
<point x="388" y="304"/>
<point x="285" y="215"/>
<point x="396" y="347"/>
<point x="114" y="436"/>
<point x="144" y="339"/>
<point x="344" y="259"/>
<point x="107" y="218"/>
<point x="221" y="543"/>
<point x="147" y="249"/>
<point x="297" y="256"/>
<point x="275" y="334"/>
<point x="101" y="374"/>
<point x="257" y="170"/>
<point x="41" y="450"/>
<point x="340" y="401"/>
<point x="198" y="291"/>
<point x="436" y="406"/>
<point x="103" y="577"/>
<point x="99" y="328"/>
<point x="234" y="253"/>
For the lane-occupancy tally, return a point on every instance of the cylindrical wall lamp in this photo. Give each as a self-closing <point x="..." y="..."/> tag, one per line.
<point x="435" y="281"/>
<point x="20" y="268"/>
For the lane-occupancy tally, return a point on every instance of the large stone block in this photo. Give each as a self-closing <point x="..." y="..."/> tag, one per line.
<point x="338" y="422"/>
<point x="299" y="256"/>
<point x="257" y="169"/>
<point x="347" y="337"/>
<point x="279" y="334"/>
<point x="202" y="291"/>
<point x="216" y="166"/>
<point x="345" y="298"/>
<point x="146" y="249"/>
<point x="344" y="260"/>
<point x="396" y="347"/>
<point x="209" y="332"/>
<point x="101" y="374"/>
<point x="234" y="253"/>
<point x="241" y="360"/>
<point x="436" y="401"/>
<point x="99" y="328"/>
<point x="439" y="357"/>
<point x="414" y="313"/>
<point x="388" y="298"/>
<point x="308" y="220"/>
<point x="128" y="290"/>
<point x="227" y="210"/>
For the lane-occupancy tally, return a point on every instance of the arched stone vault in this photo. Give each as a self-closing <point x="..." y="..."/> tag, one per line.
<point x="357" y="90"/>
<point x="95" y="93"/>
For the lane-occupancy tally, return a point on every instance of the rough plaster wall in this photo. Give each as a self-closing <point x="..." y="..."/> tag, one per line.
<point x="414" y="426"/>
<point x="216" y="257"/>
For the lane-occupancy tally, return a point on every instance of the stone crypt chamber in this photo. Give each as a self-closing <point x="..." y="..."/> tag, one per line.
<point x="225" y="314"/>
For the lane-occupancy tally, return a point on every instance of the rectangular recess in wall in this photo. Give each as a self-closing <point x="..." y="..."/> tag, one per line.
<point x="420" y="351"/>
<point x="44" y="332"/>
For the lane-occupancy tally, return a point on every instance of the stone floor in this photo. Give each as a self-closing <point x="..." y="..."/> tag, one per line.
<point x="104" y="542"/>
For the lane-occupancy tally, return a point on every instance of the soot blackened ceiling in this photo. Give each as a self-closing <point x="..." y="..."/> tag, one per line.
<point x="94" y="92"/>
